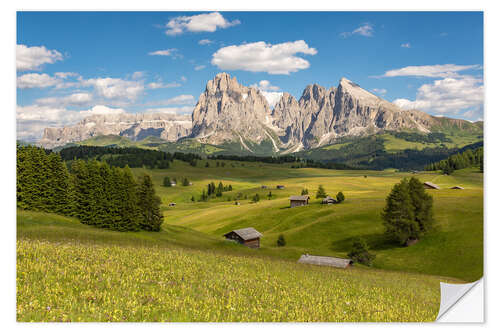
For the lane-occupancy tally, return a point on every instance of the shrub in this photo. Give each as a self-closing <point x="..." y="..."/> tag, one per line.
<point x="340" y="197"/>
<point x="304" y="192"/>
<point x="256" y="198"/>
<point x="359" y="252"/>
<point x="167" y="182"/>
<point x="281" y="240"/>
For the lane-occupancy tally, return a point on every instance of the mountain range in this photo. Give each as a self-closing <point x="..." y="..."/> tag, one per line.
<point x="228" y="113"/>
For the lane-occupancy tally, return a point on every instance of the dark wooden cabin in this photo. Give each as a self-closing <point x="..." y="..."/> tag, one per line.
<point x="247" y="236"/>
<point x="299" y="200"/>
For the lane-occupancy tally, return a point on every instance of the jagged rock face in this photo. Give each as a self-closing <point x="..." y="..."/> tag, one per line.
<point x="228" y="111"/>
<point x="169" y="127"/>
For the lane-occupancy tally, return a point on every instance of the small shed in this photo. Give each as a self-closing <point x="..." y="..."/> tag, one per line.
<point x="328" y="200"/>
<point x="246" y="236"/>
<point x="173" y="184"/>
<point x="172" y="204"/>
<point x="457" y="188"/>
<point x="280" y="187"/>
<point x="325" y="261"/>
<point x="299" y="200"/>
<point x="431" y="186"/>
<point x="263" y="187"/>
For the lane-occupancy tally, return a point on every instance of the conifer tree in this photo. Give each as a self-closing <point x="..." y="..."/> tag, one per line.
<point x="320" y="193"/>
<point x="167" y="182"/>
<point x="149" y="205"/>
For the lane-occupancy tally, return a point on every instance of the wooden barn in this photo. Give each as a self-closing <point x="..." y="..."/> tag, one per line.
<point x="247" y="236"/>
<point x="299" y="200"/>
<point x="431" y="186"/>
<point x="328" y="200"/>
<point x="280" y="187"/>
<point x="457" y="188"/>
<point x="325" y="261"/>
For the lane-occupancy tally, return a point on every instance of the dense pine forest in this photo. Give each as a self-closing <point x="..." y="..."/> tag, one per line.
<point x="465" y="159"/>
<point x="93" y="191"/>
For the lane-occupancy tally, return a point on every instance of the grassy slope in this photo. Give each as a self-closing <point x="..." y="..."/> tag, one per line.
<point x="328" y="230"/>
<point x="67" y="271"/>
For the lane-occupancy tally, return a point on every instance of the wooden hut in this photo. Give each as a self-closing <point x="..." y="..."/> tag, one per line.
<point x="172" y="204"/>
<point x="325" y="261"/>
<point x="299" y="200"/>
<point x="431" y="186"/>
<point x="246" y="236"/>
<point x="457" y="188"/>
<point x="263" y="187"/>
<point x="328" y="200"/>
<point x="280" y="187"/>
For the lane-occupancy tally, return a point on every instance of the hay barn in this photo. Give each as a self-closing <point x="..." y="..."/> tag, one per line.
<point x="325" y="261"/>
<point x="328" y="200"/>
<point x="431" y="186"/>
<point x="457" y="188"/>
<point x="246" y="236"/>
<point x="299" y="200"/>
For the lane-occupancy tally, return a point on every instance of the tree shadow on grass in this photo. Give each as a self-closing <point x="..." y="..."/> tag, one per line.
<point x="376" y="242"/>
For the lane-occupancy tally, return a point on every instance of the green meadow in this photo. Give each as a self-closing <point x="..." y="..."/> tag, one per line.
<point x="455" y="242"/>
<point x="67" y="271"/>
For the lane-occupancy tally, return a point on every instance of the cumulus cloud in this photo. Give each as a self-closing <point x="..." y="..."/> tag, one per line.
<point x="76" y="99"/>
<point x="33" y="119"/>
<point x="161" y="85"/>
<point x="198" y="23"/>
<point x="365" y="30"/>
<point x="264" y="57"/>
<point x="269" y="91"/>
<point x="441" y="71"/>
<point x="173" y="53"/>
<point x="118" y="89"/>
<point x="172" y="110"/>
<point x="406" y="45"/>
<point x="199" y="67"/>
<point x="35" y="80"/>
<point x="205" y="42"/>
<point x="451" y="96"/>
<point x="32" y="58"/>
<point x="265" y="85"/>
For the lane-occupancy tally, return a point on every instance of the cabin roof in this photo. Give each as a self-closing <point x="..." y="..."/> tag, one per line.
<point x="430" y="184"/>
<point x="457" y="187"/>
<point x="325" y="261"/>
<point x="246" y="233"/>
<point x="299" y="198"/>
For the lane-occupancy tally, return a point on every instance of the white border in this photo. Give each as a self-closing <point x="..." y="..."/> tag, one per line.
<point x="492" y="121"/>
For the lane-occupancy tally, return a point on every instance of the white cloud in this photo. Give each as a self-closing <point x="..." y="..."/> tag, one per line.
<point x="365" y="30"/>
<point x="264" y="57"/>
<point x="183" y="79"/>
<point x="76" y="99"/>
<point x="161" y="85"/>
<point x="199" y="67"/>
<point x="265" y="85"/>
<point x="35" y="80"/>
<point x="205" y="42"/>
<point x="65" y="75"/>
<point x="406" y="45"/>
<point x="456" y="96"/>
<point x="198" y="23"/>
<point x="172" y="110"/>
<point x="381" y="91"/>
<point x="112" y="88"/>
<point x="269" y="91"/>
<point x="173" y="53"/>
<point x="100" y="110"/>
<point x="32" y="58"/>
<point x="181" y="99"/>
<point x="442" y="71"/>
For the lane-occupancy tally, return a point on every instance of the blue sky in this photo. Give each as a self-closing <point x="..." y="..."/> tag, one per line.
<point x="74" y="64"/>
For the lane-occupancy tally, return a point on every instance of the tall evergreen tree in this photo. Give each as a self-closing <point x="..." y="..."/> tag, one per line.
<point x="320" y="193"/>
<point x="149" y="205"/>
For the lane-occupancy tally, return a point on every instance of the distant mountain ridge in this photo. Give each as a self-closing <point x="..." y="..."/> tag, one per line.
<point x="230" y="113"/>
